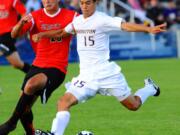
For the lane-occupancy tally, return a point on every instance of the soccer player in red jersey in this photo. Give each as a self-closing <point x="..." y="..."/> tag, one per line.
<point x="49" y="66"/>
<point x="9" y="10"/>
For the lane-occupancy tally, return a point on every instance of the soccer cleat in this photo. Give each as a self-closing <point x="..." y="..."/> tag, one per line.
<point x="41" y="132"/>
<point x="149" y="81"/>
<point x="3" y="48"/>
<point x="6" y="128"/>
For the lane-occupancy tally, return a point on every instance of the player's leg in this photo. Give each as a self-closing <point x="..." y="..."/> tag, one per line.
<point x="10" y="125"/>
<point x="117" y="86"/>
<point x="62" y="118"/>
<point x="15" y="60"/>
<point x="8" y="49"/>
<point x="122" y="91"/>
<point x="32" y="86"/>
<point x="3" y="49"/>
<point x="133" y="102"/>
<point x="55" y="78"/>
<point x="33" y="82"/>
<point x="77" y="92"/>
<point x="27" y="121"/>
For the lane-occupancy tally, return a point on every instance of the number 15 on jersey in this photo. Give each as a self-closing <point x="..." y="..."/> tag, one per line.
<point x="89" y="40"/>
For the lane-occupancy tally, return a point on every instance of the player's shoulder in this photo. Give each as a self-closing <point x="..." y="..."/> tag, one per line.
<point x="9" y="3"/>
<point x="37" y="12"/>
<point x="101" y="14"/>
<point x="99" y="17"/>
<point x="78" y="18"/>
<point x="105" y="17"/>
<point x="68" y="10"/>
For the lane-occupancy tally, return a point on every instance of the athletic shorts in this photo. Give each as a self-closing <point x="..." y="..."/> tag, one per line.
<point x="9" y="42"/>
<point x="114" y="85"/>
<point x="55" y="79"/>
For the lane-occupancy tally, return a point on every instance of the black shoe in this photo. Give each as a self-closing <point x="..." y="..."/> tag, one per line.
<point x="41" y="132"/>
<point x="6" y="128"/>
<point x="3" y="48"/>
<point x="149" y="81"/>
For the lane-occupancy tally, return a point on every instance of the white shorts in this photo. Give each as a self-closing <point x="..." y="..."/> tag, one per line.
<point x="114" y="85"/>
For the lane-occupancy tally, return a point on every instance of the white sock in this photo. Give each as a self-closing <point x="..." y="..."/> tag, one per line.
<point x="145" y="92"/>
<point x="60" y="122"/>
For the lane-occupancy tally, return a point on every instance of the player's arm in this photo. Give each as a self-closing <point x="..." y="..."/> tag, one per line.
<point x="20" y="7"/>
<point x="50" y="34"/>
<point x="68" y="30"/>
<point x="17" y="30"/>
<point x="132" y="27"/>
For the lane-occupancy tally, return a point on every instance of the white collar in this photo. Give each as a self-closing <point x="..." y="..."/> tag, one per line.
<point x="86" y="19"/>
<point x="59" y="10"/>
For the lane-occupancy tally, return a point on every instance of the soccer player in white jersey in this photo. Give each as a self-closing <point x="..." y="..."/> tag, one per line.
<point x="97" y="74"/>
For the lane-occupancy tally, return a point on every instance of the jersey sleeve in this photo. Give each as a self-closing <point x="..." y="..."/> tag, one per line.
<point x="70" y="28"/>
<point x="112" y="23"/>
<point x="27" y="27"/>
<point x="19" y="6"/>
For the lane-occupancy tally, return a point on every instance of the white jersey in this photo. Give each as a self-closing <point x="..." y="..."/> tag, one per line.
<point x="93" y="43"/>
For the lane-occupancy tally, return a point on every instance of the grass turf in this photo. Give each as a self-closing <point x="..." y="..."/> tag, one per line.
<point x="104" y="115"/>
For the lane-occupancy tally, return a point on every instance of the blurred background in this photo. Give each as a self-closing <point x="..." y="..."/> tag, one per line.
<point x="125" y="45"/>
<point x="103" y="115"/>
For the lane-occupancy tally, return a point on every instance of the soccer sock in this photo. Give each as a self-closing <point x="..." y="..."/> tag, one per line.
<point x="23" y="104"/>
<point x="145" y="92"/>
<point x="60" y="122"/>
<point x="27" y="122"/>
<point x="26" y="67"/>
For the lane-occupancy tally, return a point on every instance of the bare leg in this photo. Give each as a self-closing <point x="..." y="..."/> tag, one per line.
<point x="132" y="102"/>
<point x="15" y="60"/>
<point x="25" y="102"/>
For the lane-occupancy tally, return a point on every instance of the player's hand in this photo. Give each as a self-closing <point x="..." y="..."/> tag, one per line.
<point x="158" y="28"/>
<point x="26" y="19"/>
<point x="36" y="37"/>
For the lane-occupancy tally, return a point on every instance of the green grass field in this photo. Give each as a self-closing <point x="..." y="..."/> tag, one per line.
<point x="104" y="115"/>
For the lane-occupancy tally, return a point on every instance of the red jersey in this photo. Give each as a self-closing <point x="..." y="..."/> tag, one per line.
<point x="9" y="10"/>
<point x="51" y="52"/>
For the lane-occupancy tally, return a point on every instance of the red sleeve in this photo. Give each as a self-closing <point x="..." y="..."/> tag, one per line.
<point x="19" y="6"/>
<point x="26" y="28"/>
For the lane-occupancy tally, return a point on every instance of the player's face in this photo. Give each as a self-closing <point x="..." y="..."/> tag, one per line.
<point x="50" y="5"/>
<point x="88" y="7"/>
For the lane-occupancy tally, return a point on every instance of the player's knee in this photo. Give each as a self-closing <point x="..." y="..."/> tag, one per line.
<point x="36" y="83"/>
<point x="30" y="87"/>
<point x="133" y="107"/>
